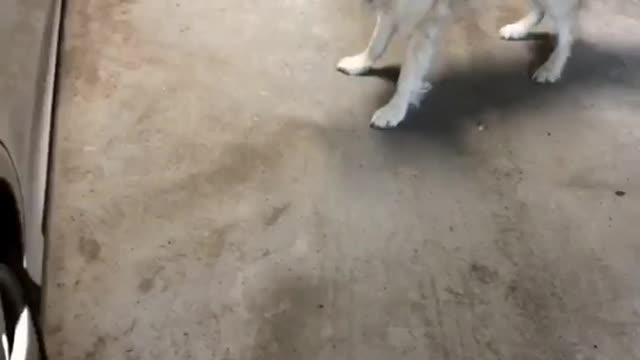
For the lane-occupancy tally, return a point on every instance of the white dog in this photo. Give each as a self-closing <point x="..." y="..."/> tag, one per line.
<point x="425" y="19"/>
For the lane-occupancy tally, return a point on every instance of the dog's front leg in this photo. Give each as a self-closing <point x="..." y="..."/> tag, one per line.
<point x="521" y="28"/>
<point x="411" y="84"/>
<point x="551" y="70"/>
<point x="382" y="34"/>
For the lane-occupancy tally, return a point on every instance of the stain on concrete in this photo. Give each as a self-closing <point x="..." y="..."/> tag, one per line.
<point x="440" y="330"/>
<point x="131" y="327"/>
<point x="275" y="214"/>
<point x="287" y="327"/>
<point x="148" y="283"/>
<point x="483" y="273"/>
<point x="95" y="24"/>
<point x="97" y="348"/>
<point x="536" y="299"/>
<point x="215" y="243"/>
<point x="89" y="248"/>
<point x="54" y="329"/>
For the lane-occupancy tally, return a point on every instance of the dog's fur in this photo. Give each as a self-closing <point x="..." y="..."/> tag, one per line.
<point x="425" y="19"/>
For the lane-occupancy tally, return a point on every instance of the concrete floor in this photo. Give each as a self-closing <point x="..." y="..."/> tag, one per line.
<point x="219" y="194"/>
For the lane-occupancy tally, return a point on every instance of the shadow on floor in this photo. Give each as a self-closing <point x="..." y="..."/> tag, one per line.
<point x="458" y="97"/>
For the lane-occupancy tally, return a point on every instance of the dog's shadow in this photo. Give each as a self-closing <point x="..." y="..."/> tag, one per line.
<point x="459" y="96"/>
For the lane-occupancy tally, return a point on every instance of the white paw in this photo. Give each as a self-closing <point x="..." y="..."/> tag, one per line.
<point x="547" y="73"/>
<point x="513" y="32"/>
<point x="355" y="65"/>
<point x="388" y="117"/>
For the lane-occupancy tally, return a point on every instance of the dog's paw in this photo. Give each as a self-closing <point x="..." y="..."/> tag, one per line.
<point x="547" y="74"/>
<point x="387" y="117"/>
<point x="354" y="65"/>
<point x="513" y="31"/>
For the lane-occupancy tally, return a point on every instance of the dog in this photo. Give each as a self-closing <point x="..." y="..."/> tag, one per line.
<point x="425" y="20"/>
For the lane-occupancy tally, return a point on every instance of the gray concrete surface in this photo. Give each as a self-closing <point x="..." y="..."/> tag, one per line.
<point x="220" y="196"/>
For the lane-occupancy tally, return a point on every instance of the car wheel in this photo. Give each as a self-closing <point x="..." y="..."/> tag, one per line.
<point x="21" y="338"/>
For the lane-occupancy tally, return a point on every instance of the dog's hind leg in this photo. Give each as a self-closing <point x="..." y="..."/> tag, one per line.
<point x="521" y="28"/>
<point x="411" y="84"/>
<point x="361" y="63"/>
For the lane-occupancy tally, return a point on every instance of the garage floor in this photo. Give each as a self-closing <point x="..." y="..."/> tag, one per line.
<point x="219" y="194"/>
